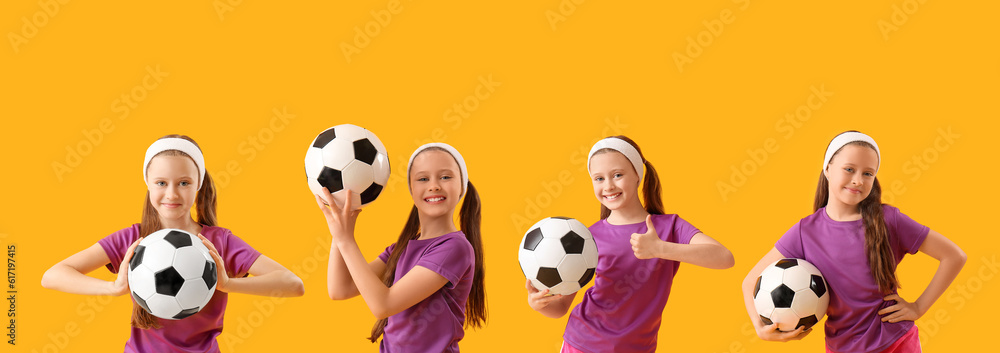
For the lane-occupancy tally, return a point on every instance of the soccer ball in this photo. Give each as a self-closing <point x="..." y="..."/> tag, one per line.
<point x="347" y="157"/>
<point x="171" y="274"/>
<point x="558" y="254"/>
<point x="792" y="293"/>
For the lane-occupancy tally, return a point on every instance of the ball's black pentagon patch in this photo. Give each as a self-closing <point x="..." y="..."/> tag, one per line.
<point x="142" y="303"/>
<point x="365" y="151"/>
<point x="168" y="282"/>
<point x="186" y="312"/>
<point x="786" y="263"/>
<point x="532" y="239"/>
<point x="782" y="296"/>
<point x="765" y="320"/>
<point x="807" y="321"/>
<point x="136" y="257"/>
<point x="587" y="276"/>
<point x="210" y="275"/>
<point x="331" y="179"/>
<point x="572" y="243"/>
<point x="370" y="193"/>
<point x="178" y="239"/>
<point x="324" y="138"/>
<point x="548" y="276"/>
<point x="817" y="285"/>
<point x="756" y="287"/>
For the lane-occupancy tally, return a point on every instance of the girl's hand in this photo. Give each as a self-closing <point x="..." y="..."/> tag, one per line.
<point x="901" y="311"/>
<point x="120" y="285"/>
<point x="771" y="333"/>
<point x="646" y="245"/>
<point x="537" y="299"/>
<point x="222" y="283"/>
<point x="340" y="220"/>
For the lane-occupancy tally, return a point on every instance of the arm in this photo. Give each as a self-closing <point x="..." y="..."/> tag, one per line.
<point x="69" y="275"/>
<point x="552" y="306"/>
<point x="267" y="278"/>
<point x="383" y="301"/>
<point x="951" y="258"/>
<point x="418" y="284"/>
<point x="766" y="332"/>
<point x="339" y="283"/>
<point x="702" y="251"/>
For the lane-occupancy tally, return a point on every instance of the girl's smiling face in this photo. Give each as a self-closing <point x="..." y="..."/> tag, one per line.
<point x="615" y="180"/>
<point x="172" y="181"/>
<point x="435" y="183"/>
<point x="851" y="174"/>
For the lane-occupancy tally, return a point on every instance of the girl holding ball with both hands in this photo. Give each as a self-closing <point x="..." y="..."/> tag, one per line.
<point x="176" y="180"/>
<point x="856" y="241"/>
<point x="432" y="265"/>
<point x="621" y="312"/>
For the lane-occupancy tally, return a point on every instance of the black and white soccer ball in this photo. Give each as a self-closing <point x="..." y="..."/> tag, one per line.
<point x="171" y="274"/>
<point x="792" y="293"/>
<point x="347" y="157"/>
<point x="558" y="254"/>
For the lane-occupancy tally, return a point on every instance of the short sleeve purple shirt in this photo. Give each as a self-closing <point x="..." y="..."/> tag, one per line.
<point x="621" y="312"/>
<point x="195" y="333"/>
<point x="838" y="251"/>
<point x="435" y="324"/>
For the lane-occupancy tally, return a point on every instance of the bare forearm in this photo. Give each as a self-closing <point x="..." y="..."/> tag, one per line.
<point x="66" y="279"/>
<point x="339" y="284"/>
<point x="558" y="308"/>
<point x="946" y="273"/>
<point x="704" y="255"/>
<point x="368" y="284"/>
<point x="272" y="284"/>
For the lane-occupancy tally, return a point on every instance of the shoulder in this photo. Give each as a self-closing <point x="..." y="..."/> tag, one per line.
<point x="129" y="234"/>
<point x="456" y="240"/>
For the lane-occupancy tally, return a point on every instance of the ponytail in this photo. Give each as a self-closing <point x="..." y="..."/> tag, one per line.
<point x="881" y="261"/>
<point x="652" y="194"/>
<point x="205" y="206"/>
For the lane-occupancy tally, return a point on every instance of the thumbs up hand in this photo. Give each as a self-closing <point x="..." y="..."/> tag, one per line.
<point x="647" y="245"/>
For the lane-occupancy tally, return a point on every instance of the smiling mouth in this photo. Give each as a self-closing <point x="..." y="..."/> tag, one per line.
<point x="612" y="197"/>
<point x="853" y="191"/>
<point x="171" y="205"/>
<point x="434" y="199"/>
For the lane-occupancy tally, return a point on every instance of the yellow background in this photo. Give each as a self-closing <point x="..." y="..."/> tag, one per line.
<point x="568" y="73"/>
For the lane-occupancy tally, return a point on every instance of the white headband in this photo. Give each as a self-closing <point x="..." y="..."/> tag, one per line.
<point x="624" y="148"/>
<point x="845" y="138"/>
<point x="454" y="153"/>
<point x="179" y="144"/>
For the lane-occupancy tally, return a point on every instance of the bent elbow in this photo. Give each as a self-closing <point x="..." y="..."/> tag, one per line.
<point x="728" y="260"/>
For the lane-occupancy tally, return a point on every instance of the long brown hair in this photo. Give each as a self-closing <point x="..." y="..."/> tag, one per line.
<point x="652" y="198"/>
<point x="470" y="217"/>
<point x="205" y="208"/>
<point x="880" y="257"/>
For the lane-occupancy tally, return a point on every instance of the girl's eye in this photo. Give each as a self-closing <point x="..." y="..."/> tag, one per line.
<point x="422" y="179"/>
<point x="446" y="177"/>
<point x="619" y="175"/>
<point x="869" y="174"/>
<point x="849" y="169"/>
<point x="599" y="179"/>
<point x="185" y="183"/>
<point x="160" y="183"/>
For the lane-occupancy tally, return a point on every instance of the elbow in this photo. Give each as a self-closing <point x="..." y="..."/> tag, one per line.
<point x="728" y="261"/>
<point x="48" y="282"/>
<point x="960" y="257"/>
<point x="380" y="312"/>
<point x="298" y="288"/>
<point x="337" y="294"/>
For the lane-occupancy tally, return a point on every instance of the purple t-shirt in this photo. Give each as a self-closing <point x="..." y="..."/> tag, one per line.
<point x="838" y="251"/>
<point x="195" y="333"/>
<point x="622" y="311"/>
<point x="435" y="324"/>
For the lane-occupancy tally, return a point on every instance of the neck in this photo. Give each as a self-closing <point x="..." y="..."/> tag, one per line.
<point x="628" y="214"/>
<point x="841" y="212"/>
<point x="185" y="223"/>
<point x="433" y="227"/>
